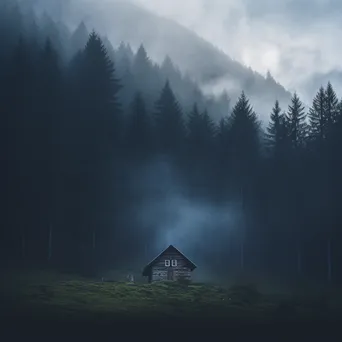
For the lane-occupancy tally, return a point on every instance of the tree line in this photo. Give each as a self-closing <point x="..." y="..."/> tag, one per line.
<point x="72" y="133"/>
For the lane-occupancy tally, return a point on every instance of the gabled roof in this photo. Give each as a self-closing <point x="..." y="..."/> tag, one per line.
<point x="150" y="264"/>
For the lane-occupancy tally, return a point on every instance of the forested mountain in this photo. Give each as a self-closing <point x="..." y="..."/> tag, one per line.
<point x="105" y="160"/>
<point x="212" y="69"/>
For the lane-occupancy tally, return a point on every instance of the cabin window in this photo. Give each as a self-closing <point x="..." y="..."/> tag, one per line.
<point x="167" y="263"/>
<point x="174" y="262"/>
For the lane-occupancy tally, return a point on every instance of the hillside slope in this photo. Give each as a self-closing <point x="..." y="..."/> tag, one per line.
<point x="210" y="67"/>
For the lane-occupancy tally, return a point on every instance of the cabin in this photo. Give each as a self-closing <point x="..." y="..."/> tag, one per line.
<point x="170" y="265"/>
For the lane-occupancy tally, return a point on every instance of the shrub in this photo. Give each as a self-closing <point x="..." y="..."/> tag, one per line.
<point x="183" y="280"/>
<point x="244" y="294"/>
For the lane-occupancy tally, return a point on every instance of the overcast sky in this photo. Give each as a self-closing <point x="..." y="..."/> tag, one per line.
<point x="292" y="38"/>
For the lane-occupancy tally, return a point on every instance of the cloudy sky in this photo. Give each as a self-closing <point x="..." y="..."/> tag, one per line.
<point x="294" y="39"/>
<point x="297" y="40"/>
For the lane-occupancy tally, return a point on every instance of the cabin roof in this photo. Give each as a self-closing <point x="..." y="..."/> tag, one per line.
<point x="150" y="264"/>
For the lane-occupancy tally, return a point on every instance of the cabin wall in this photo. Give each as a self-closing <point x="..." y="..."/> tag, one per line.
<point x="159" y="271"/>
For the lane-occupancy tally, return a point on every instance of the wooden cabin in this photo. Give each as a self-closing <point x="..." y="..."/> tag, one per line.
<point x="171" y="265"/>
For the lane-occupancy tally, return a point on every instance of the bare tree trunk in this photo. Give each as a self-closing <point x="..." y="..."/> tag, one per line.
<point x="242" y="233"/>
<point x="329" y="260"/>
<point x="94" y="239"/>
<point x="242" y="256"/>
<point x="50" y="243"/>
<point x="299" y="259"/>
<point x="145" y="250"/>
<point x="23" y="245"/>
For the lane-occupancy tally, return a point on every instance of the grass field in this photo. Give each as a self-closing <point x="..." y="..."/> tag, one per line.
<point x="71" y="297"/>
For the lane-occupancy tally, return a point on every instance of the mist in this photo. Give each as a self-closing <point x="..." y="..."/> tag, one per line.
<point x="214" y="68"/>
<point x="264" y="37"/>
<point x="170" y="162"/>
<point x="193" y="224"/>
<point x="121" y="151"/>
<point x="267" y="36"/>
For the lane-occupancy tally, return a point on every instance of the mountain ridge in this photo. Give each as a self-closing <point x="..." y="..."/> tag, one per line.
<point x="205" y="63"/>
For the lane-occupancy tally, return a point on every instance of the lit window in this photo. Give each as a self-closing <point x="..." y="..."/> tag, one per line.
<point x="167" y="263"/>
<point x="174" y="262"/>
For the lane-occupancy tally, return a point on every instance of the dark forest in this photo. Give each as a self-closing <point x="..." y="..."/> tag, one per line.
<point x="108" y="157"/>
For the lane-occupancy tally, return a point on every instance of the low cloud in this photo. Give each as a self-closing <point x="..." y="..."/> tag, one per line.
<point x="292" y="39"/>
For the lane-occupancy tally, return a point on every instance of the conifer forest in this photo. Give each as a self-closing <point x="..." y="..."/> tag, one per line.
<point x="92" y="132"/>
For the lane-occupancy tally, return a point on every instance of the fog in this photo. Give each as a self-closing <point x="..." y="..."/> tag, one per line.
<point x="295" y="41"/>
<point x="204" y="60"/>
<point x="110" y="161"/>
<point x="190" y="223"/>
<point x="292" y="39"/>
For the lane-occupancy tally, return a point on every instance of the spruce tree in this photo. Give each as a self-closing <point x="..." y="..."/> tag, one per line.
<point x="141" y="67"/>
<point x="244" y="129"/>
<point x="208" y="127"/>
<point x="51" y="132"/>
<point x="100" y="89"/>
<point x="169" y="121"/>
<point x="331" y="108"/>
<point x="296" y="121"/>
<point x="194" y="127"/>
<point x="78" y="39"/>
<point x="317" y="116"/>
<point x="200" y="129"/>
<point x="274" y="125"/>
<point x="277" y="131"/>
<point x="143" y="73"/>
<point x="99" y="130"/>
<point x="222" y="132"/>
<point x="138" y="130"/>
<point x="244" y="140"/>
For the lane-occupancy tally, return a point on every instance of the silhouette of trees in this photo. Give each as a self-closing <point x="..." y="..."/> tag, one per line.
<point x="296" y="121"/>
<point x="79" y="117"/>
<point x="244" y="136"/>
<point x="138" y="129"/>
<point x="169" y="122"/>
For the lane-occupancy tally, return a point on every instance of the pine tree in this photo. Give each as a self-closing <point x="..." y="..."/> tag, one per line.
<point x="194" y="127"/>
<point x="244" y="129"/>
<point x="200" y="129"/>
<point x="169" y="121"/>
<point x="101" y="88"/>
<point x="49" y="69"/>
<point x="124" y="65"/>
<point x="49" y="146"/>
<point x="78" y="39"/>
<point x="244" y="139"/>
<point x="224" y="103"/>
<point x="331" y="108"/>
<point x="274" y="125"/>
<point x="124" y="52"/>
<point x="17" y="104"/>
<point x="141" y="66"/>
<point x="208" y="127"/>
<point x="144" y="77"/>
<point x="167" y="67"/>
<point x="277" y="132"/>
<point x="317" y="117"/>
<point x="138" y="128"/>
<point x="222" y="134"/>
<point x="52" y="32"/>
<point x="95" y="159"/>
<point x="295" y="118"/>
<point x="109" y="47"/>
<point x="170" y="72"/>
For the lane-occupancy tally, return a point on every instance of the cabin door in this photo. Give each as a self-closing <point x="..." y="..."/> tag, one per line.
<point x="170" y="273"/>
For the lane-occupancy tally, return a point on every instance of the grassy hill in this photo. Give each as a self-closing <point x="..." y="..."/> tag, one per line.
<point x="74" y="297"/>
